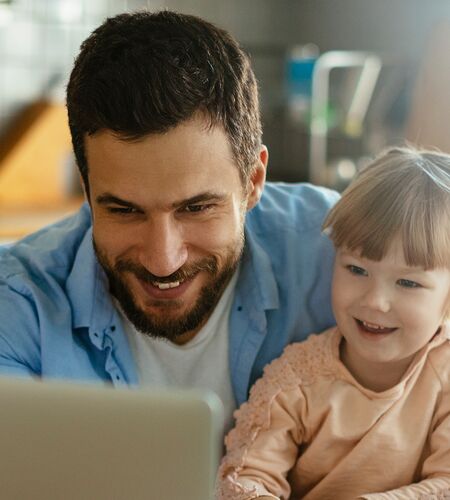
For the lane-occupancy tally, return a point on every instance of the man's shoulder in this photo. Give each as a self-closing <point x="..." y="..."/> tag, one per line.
<point x="298" y="206"/>
<point x="50" y="250"/>
<point x="284" y="237"/>
<point x="289" y="218"/>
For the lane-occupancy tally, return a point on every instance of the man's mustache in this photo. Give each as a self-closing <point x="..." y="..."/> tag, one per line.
<point x="186" y="272"/>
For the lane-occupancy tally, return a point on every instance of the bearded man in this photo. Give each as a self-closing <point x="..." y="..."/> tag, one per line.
<point x="184" y="267"/>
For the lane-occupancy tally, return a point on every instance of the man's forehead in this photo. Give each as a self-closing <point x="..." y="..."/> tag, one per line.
<point x="173" y="153"/>
<point x="184" y="160"/>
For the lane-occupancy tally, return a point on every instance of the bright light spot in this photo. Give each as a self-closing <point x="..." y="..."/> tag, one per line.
<point x="70" y="11"/>
<point x="6" y="15"/>
<point x="346" y="169"/>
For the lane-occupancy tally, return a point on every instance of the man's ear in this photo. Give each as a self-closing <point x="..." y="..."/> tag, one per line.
<point x="86" y="192"/>
<point x="255" y="184"/>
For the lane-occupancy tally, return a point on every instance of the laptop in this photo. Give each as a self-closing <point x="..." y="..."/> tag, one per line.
<point x="65" y="441"/>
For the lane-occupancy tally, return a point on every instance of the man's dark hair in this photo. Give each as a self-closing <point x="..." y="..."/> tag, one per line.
<point x="144" y="73"/>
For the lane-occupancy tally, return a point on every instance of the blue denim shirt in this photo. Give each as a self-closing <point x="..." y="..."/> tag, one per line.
<point x="57" y="319"/>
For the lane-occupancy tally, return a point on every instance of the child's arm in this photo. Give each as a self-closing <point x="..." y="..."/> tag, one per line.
<point x="263" y="446"/>
<point x="436" y="468"/>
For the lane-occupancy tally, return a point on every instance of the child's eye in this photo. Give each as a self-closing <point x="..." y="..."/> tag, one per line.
<point x="359" y="271"/>
<point x="408" y="283"/>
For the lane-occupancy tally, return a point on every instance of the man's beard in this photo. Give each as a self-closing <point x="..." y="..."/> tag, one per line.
<point x="158" y="326"/>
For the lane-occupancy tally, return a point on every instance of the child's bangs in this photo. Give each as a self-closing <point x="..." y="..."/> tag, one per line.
<point x="383" y="204"/>
<point x="426" y="232"/>
<point x="363" y="224"/>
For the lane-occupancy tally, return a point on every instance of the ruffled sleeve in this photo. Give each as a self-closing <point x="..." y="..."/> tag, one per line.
<point x="263" y="446"/>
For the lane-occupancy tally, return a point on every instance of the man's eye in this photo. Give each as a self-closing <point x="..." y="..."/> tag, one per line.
<point x="359" y="271"/>
<point x="408" y="283"/>
<point x="122" y="210"/>
<point x="197" y="208"/>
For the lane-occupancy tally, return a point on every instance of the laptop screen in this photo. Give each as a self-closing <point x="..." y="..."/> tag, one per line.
<point x="71" y="441"/>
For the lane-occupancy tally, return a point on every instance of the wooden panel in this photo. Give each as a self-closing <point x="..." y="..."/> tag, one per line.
<point x="34" y="172"/>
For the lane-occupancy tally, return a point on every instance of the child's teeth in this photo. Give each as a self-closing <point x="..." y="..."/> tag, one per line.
<point x="371" y="325"/>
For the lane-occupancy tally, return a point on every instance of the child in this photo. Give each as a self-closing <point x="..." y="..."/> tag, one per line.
<point x="363" y="410"/>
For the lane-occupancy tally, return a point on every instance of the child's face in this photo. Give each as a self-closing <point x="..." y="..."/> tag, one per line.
<point x="386" y="310"/>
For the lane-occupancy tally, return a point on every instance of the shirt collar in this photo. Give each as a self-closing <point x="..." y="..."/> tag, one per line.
<point x="87" y="287"/>
<point x="257" y="276"/>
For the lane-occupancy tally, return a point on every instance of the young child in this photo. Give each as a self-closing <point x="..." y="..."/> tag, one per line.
<point x="363" y="409"/>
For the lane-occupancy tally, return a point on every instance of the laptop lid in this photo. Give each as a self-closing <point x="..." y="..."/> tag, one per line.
<point x="82" y="442"/>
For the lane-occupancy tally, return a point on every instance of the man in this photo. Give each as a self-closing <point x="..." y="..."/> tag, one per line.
<point x="178" y="270"/>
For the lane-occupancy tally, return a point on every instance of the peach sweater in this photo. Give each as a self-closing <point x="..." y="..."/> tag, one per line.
<point x="310" y="431"/>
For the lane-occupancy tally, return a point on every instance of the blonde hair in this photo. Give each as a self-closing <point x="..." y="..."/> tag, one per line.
<point x="404" y="192"/>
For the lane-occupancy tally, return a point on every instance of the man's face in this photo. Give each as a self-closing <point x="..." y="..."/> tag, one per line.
<point x="168" y="217"/>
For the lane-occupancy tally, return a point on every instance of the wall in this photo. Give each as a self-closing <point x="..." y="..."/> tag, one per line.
<point x="40" y="38"/>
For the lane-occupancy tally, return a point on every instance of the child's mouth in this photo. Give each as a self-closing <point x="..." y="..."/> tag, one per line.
<point x="373" y="328"/>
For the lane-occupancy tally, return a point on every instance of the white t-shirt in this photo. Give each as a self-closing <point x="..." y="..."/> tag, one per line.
<point x="201" y="363"/>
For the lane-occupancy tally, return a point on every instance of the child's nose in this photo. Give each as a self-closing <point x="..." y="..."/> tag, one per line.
<point x="376" y="298"/>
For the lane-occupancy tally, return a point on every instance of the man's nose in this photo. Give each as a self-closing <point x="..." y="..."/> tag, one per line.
<point x="377" y="298"/>
<point x="163" y="249"/>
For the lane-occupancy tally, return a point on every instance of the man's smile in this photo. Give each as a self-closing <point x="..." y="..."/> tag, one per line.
<point x="165" y="286"/>
<point x="166" y="290"/>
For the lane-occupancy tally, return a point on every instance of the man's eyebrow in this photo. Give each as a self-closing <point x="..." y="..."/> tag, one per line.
<point x="198" y="198"/>
<point x="108" y="199"/>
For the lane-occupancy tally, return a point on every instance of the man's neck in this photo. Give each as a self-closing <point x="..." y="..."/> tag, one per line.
<point x="227" y="290"/>
<point x="187" y="336"/>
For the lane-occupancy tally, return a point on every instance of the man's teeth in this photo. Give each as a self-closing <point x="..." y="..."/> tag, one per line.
<point x="165" y="286"/>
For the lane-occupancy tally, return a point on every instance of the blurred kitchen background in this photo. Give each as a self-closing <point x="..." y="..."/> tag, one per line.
<point x="339" y="80"/>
